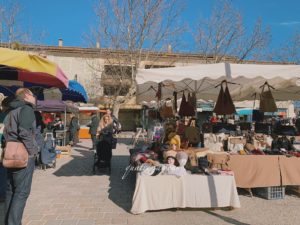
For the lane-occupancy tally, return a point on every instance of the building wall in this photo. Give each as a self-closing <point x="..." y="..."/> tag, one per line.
<point x="83" y="68"/>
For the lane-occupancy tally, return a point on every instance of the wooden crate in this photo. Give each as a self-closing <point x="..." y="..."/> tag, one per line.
<point x="65" y="150"/>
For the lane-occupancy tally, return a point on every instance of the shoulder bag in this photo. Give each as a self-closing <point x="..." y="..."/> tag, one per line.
<point x="15" y="153"/>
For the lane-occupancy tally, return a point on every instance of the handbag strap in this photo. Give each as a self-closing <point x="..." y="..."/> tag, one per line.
<point x="9" y="125"/>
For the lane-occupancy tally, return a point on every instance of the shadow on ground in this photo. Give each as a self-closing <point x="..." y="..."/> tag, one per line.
<point x="225" y="218"/>
<point x="121" y="191"/>
<point x="80" y="165"/>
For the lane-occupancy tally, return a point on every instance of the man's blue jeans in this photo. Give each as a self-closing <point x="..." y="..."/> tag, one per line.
<point x="2" y="182"/>
<point x="17" y="191"/>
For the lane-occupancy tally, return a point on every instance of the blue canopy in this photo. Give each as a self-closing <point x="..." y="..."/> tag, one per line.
<point x="244" y="111"/>
<point x="75" y="92"/>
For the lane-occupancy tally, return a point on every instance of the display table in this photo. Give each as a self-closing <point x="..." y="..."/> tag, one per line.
<point x="195" y="191"/>
<point x="290" y="170"/>
<point x="255" y="170"/>
<point x="252" y="171"/>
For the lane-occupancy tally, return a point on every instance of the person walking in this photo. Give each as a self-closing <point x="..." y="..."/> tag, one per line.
<point x="73" y="128"/>
<point x="104" y="147"/>
<point x="21" y="129"/>
<point x="93" y="129"/>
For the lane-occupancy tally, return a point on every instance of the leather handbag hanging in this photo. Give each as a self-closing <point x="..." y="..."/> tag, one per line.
<point x="15" y="153"/>
<point x="224" y="105"/>
<point x="192" y="100"/>
<point x="186" y="109"/>
<point x="267" y="102"/>
<point x="166" y="110"/>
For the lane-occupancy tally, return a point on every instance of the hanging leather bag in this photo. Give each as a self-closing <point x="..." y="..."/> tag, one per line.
<point x="186" y="109"/>
<point x="224" y="105"/>
<point x="15" y="153"/>
<point x="166" y="110"/>
<point x="267" y="102"/>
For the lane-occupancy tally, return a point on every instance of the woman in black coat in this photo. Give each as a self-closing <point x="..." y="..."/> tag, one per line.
<point x="104" y="146"/>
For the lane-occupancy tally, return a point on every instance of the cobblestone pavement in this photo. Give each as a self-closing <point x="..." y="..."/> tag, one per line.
<point x="71" y="195"/>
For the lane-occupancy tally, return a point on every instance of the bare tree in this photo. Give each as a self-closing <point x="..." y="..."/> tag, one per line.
<point x="129" y="32"/>
<point x="9" y="17"/>
<point x="224" y="34"/>
<point x="11" y="32"/>
<point x="289" y="51"/>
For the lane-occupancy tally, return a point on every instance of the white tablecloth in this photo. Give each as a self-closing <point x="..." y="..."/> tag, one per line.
<point x="194" y="191"/>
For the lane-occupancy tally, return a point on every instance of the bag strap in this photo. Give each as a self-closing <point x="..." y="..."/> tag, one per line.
<point x="7" y="128"/>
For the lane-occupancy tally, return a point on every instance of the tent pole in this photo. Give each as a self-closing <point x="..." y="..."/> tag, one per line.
<point x="254" y="100"/>
<point x="64" y="141"/>
<point x="196" y="114"/>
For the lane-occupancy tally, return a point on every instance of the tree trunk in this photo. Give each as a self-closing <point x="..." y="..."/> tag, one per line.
<point x="116" y="109"/>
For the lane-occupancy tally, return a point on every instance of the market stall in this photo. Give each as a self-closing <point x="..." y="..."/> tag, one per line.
<point x="256" y="157"/>
<point x="58" y="107"/>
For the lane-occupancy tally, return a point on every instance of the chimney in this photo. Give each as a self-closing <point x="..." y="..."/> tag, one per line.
<point x="169" y="48"/>
<point x="60" y="42"/>
<point x="97" y="44"/>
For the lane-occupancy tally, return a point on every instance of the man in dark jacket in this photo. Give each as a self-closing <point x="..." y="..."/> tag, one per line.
<point x="93" y="129"/>
<point x="20" y="125"/>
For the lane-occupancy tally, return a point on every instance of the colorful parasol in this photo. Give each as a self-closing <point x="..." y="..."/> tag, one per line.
<point x="18" y="66"/>
<point x="75" y="92"/>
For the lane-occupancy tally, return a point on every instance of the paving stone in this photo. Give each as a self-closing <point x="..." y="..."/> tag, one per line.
<point x="65" y="216"/>
<point x="86" y="222"/>
<point x="37" y="222"/>
<point x="69" y="222"/>
<point x="53" y="222"/>
<point x="119" y="220"/>
<point x="49" y="217"/>
<point x="103" y="221"/>
<point x="34" y="217"/>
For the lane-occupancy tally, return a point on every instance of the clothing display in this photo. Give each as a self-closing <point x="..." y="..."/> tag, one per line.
<point x="192" y="134"/>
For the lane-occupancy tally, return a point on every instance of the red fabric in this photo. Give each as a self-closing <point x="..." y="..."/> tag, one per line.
<point x="48" y="118"/>
<point x="214" y="119"/>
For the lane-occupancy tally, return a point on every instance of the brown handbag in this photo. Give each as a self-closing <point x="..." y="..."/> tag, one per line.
<point x="267" y="101"/>
<point x="224" y="104"/>
<point x="15" y="154"/>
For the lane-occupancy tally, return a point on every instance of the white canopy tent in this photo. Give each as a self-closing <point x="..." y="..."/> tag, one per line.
<point x="203" y="78"/>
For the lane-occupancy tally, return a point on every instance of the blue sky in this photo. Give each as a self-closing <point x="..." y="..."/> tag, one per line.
<point x="69" y="19"/>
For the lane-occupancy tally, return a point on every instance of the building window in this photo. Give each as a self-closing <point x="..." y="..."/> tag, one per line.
<point x="117" y="71"/>
<point x="112" y="90"/>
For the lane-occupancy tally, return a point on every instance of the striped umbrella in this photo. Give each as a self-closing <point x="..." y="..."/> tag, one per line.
<point x="17" y="67"/>
<point x="75" y="92"/>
